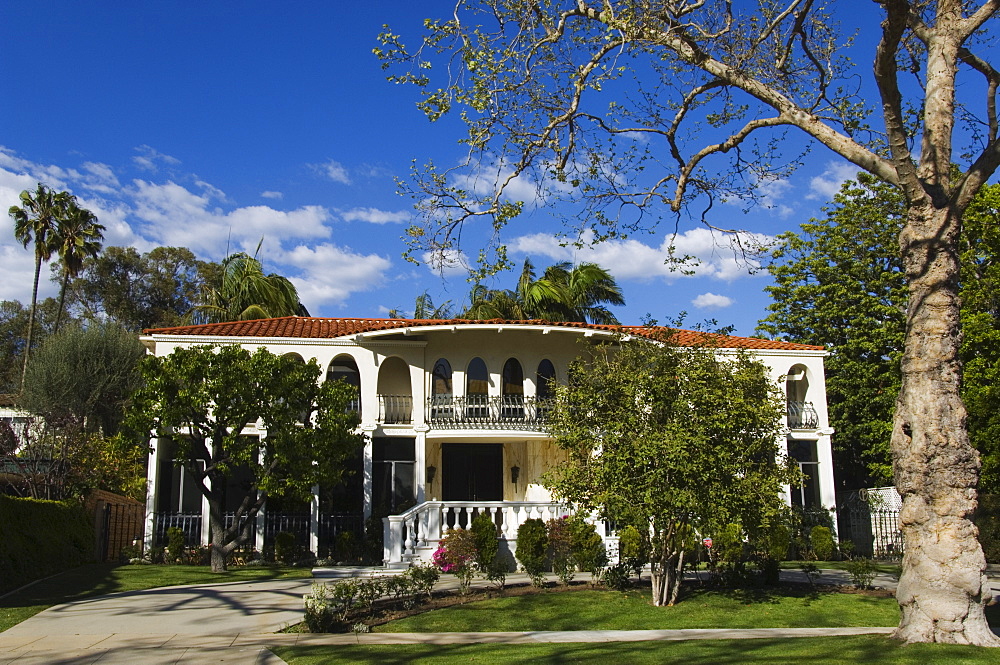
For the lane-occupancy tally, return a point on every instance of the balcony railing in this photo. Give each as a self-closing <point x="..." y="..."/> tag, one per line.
<point x="487" y="411"/>
<point x="395" y="409"/>
<point x="802" y="415"/>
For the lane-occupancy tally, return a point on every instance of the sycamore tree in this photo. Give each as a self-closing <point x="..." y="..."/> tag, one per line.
<point x="839" y="283"/>
<point x="674" y="441"/>
<point x="635" y="110"/>
<point x="204" y="397"/>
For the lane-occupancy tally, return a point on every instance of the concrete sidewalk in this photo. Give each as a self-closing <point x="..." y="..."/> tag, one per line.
<point x="235" y="623"/>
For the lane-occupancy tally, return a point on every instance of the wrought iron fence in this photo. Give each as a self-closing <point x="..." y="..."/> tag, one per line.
<point x="188" y="523"/>
<point x="332" y="525"/>
<point x="296" y="524"/>
<point x="870" y="519"/>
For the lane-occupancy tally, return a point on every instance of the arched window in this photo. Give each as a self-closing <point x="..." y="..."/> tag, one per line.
<point x="442" y="392"/>
<point x="545" y="380"/>
<point x="343" y="368"/>
<point x="512" y="390"/>
<point x="477" y="389"/>
<point x="441" y="378"/>
<point x="395" y="395"/>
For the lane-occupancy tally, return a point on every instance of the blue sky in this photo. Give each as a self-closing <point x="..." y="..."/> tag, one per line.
<point x="212" y="125"/>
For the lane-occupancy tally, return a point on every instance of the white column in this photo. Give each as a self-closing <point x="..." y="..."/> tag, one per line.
<point x="367" y="472"/>
<point x="206" y="531"/>
<point x="258" y="537"/>
<point x="314" y="521"/>
<point x="420" y="461"/>
<point x="827" y="486"/>
<point x="152" y="492"/>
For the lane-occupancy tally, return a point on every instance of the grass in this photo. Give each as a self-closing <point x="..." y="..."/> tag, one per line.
<point x="101" y="579"/>
<point x="800" y="651"/>
<point x="609" y="610"/>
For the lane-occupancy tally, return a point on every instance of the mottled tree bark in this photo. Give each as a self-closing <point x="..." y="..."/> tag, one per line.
<point x="943" y="587"/>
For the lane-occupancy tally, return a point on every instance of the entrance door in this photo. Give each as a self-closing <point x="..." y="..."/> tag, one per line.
<point x="472" y="471"/>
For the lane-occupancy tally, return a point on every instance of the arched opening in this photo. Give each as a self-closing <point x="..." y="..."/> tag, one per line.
<point x="343" y="368"/>
<point x="442" y="391"/>
<point x="801" y="414"/>
<point x="545" y="387"/>
<point x="477" y="389"/>
<point x="512" y="390"/>
<point x="395" y="396"/>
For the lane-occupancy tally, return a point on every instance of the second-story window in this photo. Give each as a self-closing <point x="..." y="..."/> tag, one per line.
<point x="343" y="368"/>
<point x="512" y="389"/>
<point x="477" y="389"/>
<point x="442" y="391"/>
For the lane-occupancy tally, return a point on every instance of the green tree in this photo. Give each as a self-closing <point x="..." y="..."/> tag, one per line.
<point x="424" y="308"/>
<point x="839" y="283"/>
<point x="203" y="397"/>
<point x="36" y="221"/>
<point x="245" y="293"/>
<point x="81" y="378"/>
<point x="671" y="441"/>
<point x="157" y="289"/>
<point x="635" y="109"/>
<point x="13" y="326"/>
<point x="76" y="238"/>
<point x="565" y="292"/>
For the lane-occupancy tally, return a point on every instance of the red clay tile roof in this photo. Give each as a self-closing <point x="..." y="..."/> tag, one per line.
<point x="322" y="328"/>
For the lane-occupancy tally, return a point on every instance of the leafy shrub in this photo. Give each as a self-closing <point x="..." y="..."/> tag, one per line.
<point x="821" y="539"/>
<point x="846" y="548"/>
<point x="777" y="539"/>
<point x="456" y="554"/>
<point x="729" y="545"/>
<point x="175" y="545"/>
<point x="346" y="547"/>
<point x="862" y="572"/>
<point x="617" y="577"/>
<point x="422" y="578"/>
<point x="633" y="548"/>
<point x="560" y="541"/>
<point x="286" y="548"/>
<point x="484" y="536"/>
<point x="588" y="546"/>
<point x="532" y="544"/>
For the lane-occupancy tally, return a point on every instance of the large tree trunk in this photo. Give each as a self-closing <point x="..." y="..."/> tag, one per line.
<point x="31" y="318"/>
<point x="943" y="587"/>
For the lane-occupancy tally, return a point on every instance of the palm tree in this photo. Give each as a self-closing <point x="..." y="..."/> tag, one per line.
<point x="36" y="220"/>
<point x="563" y="293"/>
<point x="76" y="238"/>
<point x="246" y="293"/>
<point x="424" y="308"/>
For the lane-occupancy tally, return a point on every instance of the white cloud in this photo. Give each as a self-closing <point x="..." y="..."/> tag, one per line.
<point x="148" y="158"/>
<point x="718" y="255"/>
<point x="272" y="195"/>
<point x="172" y="215"/>
<point x="330" y="274"/>
<point x="334" y="171"/>
<point x="828" y="183"/>
<point x="375" y="216"/>
<point x="712" y="301"/>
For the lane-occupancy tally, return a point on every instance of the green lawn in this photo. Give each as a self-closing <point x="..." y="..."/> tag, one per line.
<point x="800" y="651"/>
<point x="609" y="610"/>
<point x="101" y="579"/>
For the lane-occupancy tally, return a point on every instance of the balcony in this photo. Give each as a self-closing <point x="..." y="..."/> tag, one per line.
<point x="488" y="412"/>
<point x="395" y="409"/>
<point x="802" y="415"/>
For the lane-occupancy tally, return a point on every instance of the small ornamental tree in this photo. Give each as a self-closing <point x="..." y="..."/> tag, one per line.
<point x="670" y="440"/>
<point x="203" y="398"/>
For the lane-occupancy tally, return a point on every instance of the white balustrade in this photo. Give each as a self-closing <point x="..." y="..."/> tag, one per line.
<point x="414" y="535"/>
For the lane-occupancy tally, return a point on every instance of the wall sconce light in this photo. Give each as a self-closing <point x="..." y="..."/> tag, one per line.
<point x="515" y="473"/>
<point x="431" y="472"/>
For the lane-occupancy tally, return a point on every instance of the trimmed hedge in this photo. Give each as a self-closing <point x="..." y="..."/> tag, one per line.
<point x="41" y="538"/>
